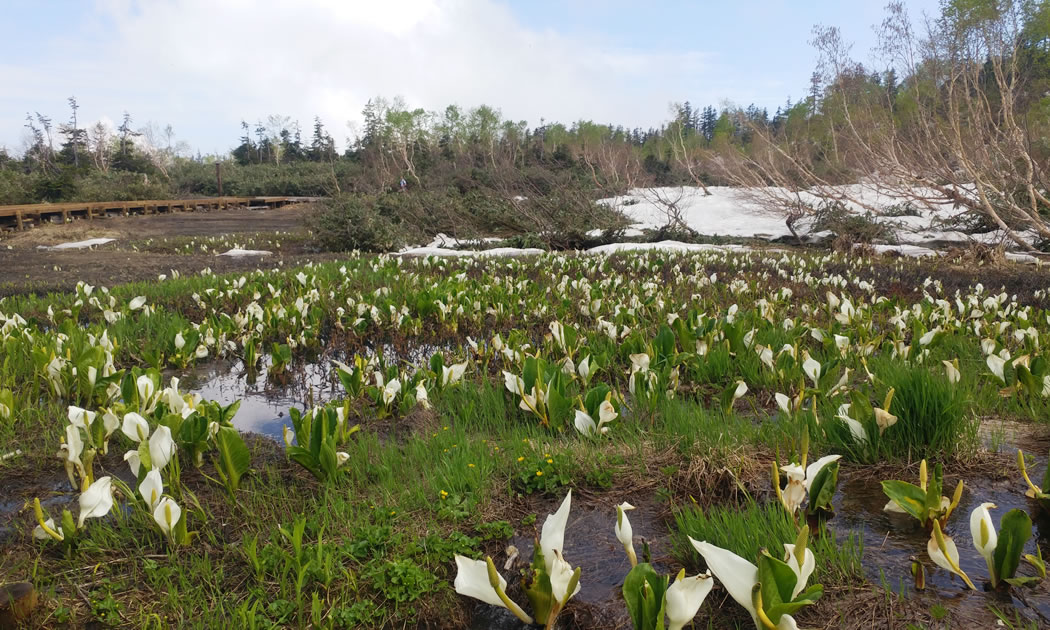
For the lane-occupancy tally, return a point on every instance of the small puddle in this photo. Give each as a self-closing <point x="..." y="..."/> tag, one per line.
<point x="591" y="544"/>
<point x="264" y="403"/>
<point x="891" y="539"/>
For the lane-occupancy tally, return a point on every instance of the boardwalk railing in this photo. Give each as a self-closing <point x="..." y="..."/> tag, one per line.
<point x="26" y="216"/>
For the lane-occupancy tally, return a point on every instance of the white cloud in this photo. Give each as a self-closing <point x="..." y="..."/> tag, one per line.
<point x="204" y="65"/>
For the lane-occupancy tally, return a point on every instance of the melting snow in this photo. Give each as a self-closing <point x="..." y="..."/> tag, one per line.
<point x="91" y="242"/>
<point x="237" y="252"/>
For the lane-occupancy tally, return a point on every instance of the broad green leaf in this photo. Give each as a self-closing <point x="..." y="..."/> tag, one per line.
<point x="643" y="591"/>
<point x="823" y="488"/>
<point x="1015" y="528"/>
<point x="233" y="456"/>
<point x="663" y="344"/>
<point x="910" y="497"/>
<point x="777" y="582"/>
<point x="540" y="594"/>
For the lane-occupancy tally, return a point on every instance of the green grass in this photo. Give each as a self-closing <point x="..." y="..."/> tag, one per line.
<point x="746" y="530"/>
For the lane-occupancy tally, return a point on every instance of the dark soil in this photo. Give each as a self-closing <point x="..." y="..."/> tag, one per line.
<point x="26" y="269"/>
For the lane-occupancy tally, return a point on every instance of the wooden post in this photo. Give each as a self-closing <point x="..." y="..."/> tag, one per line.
<point x="18" y="218"/>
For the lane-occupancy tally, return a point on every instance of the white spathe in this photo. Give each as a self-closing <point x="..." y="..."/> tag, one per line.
<point x="552" y="534"/>
<point x="472" y="580"/>
<point x="97" y="500"/>
<point x="684" y="597"/>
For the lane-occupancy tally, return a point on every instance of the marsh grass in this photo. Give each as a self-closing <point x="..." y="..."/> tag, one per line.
<point x="747" y="529"/>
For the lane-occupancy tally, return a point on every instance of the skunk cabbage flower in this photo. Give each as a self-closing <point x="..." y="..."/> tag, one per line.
<point x="391" y="390"/>
<point x="480" y="580"/>
<point x="585" y="423"/>
<point x="584" y="369"/>
<point x="137" y="303"/>
<point x="40" y="532"/>
<point x="812" y="369"/>
<point x="161" y="448"/>
<point x="684" y="597"/>
<point x="552" y="534"/>
<point x="624" y="532"/>
<point x="884" y="419"/>
<point x="134" y="462"/>
<point x="945" y="554"/>
<point x="982" y="529"/>
<point x="740" y="577"/>
<point x="855" y="427"/>
<point x="558" y="333"/>
<point x="562" y="577"/>
<point x="736" y="574"/>
<point x="145" y="387"/>
<point x="951" y="370"/>
<point x="995" y="364"/>
<point x="152" y="488"/>
<point x="421" y="396"/>
<point x="800" y="481"/>
<point x="514" y="383"/>
<point x="741" y="389"/>
<point x="451" y="374"/>
<point x="96" y="501"/>
<point x="167" y="514"/>
<point x="802" y="568"/>
<point x="80" y="418"/>
<point x="135" y="427"/>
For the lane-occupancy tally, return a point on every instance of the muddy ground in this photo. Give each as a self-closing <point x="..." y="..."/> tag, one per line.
<point x="24" y="268"/>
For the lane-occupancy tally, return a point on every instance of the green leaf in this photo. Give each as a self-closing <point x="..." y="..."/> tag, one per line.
<point x="1046" y="480"/>
<point x="540" y="593"/>
<point x="1015" y="528"/>
<point x="643" y="591"/>
<point x="1026" y="379"/>
<point x="1038" y="368"/>
<point x="530" y="373"/>
<point x="229" y="411"/>
<point x="329" y="460"/>
<point x="777" y="582"/>
<point x="933" y="492"/>
<point x="559" y="407"/>
<point x="823" y="488"/>
<point x="233" y="456"/>
<point x="594" y="398"/>
<point x="317" y="434"/>
<point x="910" y="497"/>
<point x="685" y="336"/>
<point x="305" y="459"/>
<point x="663" y="345"/>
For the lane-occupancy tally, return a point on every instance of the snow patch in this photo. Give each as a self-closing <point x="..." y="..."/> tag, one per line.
<point x="237" y="252"/>
<point x="500" y="252"/>
<point x="91" y="242"/>
<point x="447" y="242"/>
<point x="736" y="212"/>
<point x="665" y="246"/>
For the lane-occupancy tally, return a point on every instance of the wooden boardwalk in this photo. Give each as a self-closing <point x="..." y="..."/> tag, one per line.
<point x="26" y="216"/>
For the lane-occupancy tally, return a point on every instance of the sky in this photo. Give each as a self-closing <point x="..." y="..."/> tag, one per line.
<point x="203" y="66"/>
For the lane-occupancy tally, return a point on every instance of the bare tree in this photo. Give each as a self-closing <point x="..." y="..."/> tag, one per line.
<point x="958" y="131"/>
<point x="99" y="140"/>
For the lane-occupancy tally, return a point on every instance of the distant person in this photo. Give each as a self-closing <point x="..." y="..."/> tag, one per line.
<point x="404" y="185"/>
